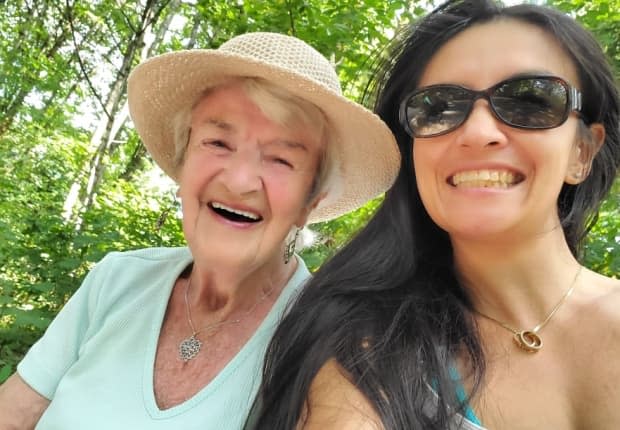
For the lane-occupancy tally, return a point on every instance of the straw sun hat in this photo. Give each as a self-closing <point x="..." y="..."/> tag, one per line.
<point x="366" y="156"/>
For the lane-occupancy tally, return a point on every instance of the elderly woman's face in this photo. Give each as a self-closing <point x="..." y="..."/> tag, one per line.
<point x="245" y="180"/>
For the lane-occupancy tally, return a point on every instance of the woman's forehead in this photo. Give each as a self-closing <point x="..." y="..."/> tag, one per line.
<point x="487" y="53"/>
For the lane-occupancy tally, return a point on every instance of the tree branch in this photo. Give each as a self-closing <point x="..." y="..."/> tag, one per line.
<point x="81" y="63"/>
<point x="291" y="17"/>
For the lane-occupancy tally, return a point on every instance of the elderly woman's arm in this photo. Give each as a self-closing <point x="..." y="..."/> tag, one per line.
<point x="20" y="406"/>
<point x="334" y="403"/>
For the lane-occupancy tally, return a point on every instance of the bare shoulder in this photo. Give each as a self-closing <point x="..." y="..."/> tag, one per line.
<point x="606" y="295"/>
<point x="600" y="304"/>
<point x="335" y="403"/>
<point x="595" y="349"/>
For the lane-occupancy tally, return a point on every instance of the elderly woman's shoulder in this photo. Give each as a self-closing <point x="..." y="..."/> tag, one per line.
<point x="334" y="402"/>
<point x="155" y="253"/>
<point x="149" y="264"/>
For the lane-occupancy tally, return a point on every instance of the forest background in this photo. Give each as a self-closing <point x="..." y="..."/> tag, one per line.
<point x="75" y="181"/>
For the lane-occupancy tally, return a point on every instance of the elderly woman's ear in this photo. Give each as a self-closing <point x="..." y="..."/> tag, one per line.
<point x="312" y="204"/>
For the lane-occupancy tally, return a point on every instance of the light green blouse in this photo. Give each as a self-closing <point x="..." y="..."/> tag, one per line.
<point x="95" y="361"/>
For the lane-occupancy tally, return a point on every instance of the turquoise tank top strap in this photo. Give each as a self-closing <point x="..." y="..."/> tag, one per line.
<point x="460" y="394"/>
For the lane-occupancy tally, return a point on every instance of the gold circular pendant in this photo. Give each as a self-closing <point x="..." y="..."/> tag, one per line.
<point x="528" y="340"/>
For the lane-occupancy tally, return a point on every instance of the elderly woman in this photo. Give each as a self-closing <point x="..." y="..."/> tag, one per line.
<point x="261" y="142"/>
<point x="472" y="309"/>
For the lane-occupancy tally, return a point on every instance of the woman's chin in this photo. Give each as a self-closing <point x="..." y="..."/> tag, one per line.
<point x="481" y="229"/>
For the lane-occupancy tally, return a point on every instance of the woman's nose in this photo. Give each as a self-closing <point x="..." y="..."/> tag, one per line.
<point x="481" y="128"/>
<point x="243" y="174"/>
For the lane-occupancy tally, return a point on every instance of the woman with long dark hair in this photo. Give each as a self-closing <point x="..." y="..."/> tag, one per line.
<point x="463" y="303"/>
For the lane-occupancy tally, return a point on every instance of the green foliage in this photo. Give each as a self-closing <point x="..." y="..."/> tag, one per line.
<point x="603" y="247"/>
<point x="335" y="233"/>
<point x="602" y="17"/>
<point x="36" y="272"/>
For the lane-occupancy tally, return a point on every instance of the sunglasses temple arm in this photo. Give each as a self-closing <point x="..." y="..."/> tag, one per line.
<point x="575" y="99"/>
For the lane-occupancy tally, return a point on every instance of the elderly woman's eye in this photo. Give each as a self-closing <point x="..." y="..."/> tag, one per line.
<point x="282" y="161"/>
<point x="215" y="144"/>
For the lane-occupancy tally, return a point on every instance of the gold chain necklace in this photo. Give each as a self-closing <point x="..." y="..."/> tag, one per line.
<point x="529" y="340"/>
<point x="191" y="346"/>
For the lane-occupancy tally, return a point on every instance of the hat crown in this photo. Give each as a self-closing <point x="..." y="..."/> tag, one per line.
<point x="285" y="52"/>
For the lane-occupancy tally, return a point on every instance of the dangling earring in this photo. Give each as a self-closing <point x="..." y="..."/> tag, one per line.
<point x="164" y="214"/>
<point x="290" y="247"/>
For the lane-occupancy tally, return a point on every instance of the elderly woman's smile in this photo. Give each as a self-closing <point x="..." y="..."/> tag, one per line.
<point x="234" y="214"/>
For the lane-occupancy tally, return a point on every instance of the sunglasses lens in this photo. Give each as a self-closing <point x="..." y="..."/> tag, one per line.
<point x="437" y="110"/>
<point x="531" y="102"/>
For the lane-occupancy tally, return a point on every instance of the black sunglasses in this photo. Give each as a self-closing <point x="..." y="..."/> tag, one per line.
<point x="529" y="102"/>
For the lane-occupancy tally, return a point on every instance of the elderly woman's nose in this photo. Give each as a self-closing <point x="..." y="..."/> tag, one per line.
<point x="481" y="128"/>
<point x="243" y="174"/>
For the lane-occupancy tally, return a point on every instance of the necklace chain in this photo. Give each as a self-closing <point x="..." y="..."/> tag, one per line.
<point x="530" y="340"/>
<point x="191" y="346"/>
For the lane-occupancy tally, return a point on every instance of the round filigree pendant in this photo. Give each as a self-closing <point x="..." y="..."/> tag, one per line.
<point x="189" y="348"/>
<point x="528" y="340"/>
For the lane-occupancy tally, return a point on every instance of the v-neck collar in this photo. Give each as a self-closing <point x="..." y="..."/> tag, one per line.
<point x="167" y="284"/>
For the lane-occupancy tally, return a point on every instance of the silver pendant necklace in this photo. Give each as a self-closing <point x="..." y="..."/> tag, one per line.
<point x="191" y="346"/>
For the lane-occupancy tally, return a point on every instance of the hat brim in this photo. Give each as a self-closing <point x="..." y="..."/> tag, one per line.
<point x="368" y="157"/>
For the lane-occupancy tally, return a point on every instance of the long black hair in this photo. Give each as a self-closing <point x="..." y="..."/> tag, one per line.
<point x="388" y="307"/>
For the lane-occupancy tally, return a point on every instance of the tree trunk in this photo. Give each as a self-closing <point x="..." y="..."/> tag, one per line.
<point x="81" y="197"/>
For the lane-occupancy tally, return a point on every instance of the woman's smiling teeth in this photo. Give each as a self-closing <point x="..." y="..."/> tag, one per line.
<point x="233" y="214"/>
<point x="485" y="179"/>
